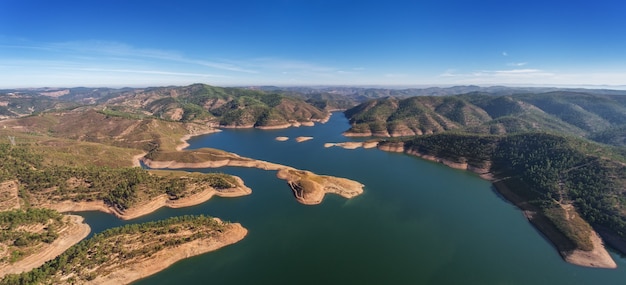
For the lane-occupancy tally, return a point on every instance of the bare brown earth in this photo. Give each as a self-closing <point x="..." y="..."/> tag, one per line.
<point x="249" y="126"/>
<point x="185" y="138"/>
<point x="310" y="188"/>
<point x="598" y="257"/>
<point x="285" y="125"/>
<point x="8" y="195"/>
<point x="137" y="159"/>
<point x="74" y="231"/>
<point x="276" y="127"/>
<point x="127" y="273"/>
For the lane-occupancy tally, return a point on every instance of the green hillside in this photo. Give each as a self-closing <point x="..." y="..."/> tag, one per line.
<point x="227" y="107"/>
<point x="581" y="114"/>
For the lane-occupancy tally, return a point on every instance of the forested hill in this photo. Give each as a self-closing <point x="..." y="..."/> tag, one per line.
<point x="558" y="179"/>
<point x="600" y="117"/>
<point x="228" y="107"/>
<point x="540" y="150"/>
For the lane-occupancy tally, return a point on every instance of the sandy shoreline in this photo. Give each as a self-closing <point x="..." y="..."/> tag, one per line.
<point x="184" y="144"/>
<point x="165" y="258"/>
<point x="315" y="191"/>
<point x="598" y="257"/>
<point x="137" y="159"/>
<point x="75" y="231"/>
<point x="303" y="139"/>
<point x="290" y="124"/>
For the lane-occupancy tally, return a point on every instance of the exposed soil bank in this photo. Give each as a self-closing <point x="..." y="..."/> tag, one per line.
<point x="75" y="231"/>
<point x="165" y="258"/>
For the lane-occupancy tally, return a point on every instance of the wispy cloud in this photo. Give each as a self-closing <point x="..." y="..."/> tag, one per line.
<point x="304" y="70"/>
<point x="151" y="72"/>
<point x="526" y="75"/>
<point x="108" y="50"/>
<point x="504" y="53"/>
<point x="289" y="64"/>
<point x="517" y="72"/>
<point x="397" y="75"/>
<point x="111" y="60"/>
<point x="517" y="63"/>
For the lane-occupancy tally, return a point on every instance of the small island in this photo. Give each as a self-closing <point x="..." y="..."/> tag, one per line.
<point x="310" y="188"/>
<point x="303" y="139"/>
<point x="353" y="145"/>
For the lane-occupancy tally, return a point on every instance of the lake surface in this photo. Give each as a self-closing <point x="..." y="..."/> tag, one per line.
<point x="417" y="222"/>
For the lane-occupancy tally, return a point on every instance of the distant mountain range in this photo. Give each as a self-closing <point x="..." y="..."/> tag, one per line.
<point x="598" y="117"/>
<point x="220" y="105"/>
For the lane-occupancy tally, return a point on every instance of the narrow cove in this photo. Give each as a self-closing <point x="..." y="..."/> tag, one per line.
<point x="418" y="222"/>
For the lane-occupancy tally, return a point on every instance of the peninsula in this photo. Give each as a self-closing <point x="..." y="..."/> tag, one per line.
<point x="125" y="254"/>
<point x="309" y="188"/>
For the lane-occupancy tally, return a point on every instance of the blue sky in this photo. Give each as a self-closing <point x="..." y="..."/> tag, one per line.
<point x="323" y="42"/>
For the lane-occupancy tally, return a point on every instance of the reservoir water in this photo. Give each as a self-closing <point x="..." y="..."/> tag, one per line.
<point x="417" y="222"/>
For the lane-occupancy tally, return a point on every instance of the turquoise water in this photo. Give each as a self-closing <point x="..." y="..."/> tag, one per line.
<point x="417" y="222"/>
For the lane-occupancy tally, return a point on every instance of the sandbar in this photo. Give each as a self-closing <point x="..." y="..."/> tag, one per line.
<point x="303" y="139"/>
<point x="598" y="257"/>
<point x="353" y="145"/>
<point x="282" y="139"/>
